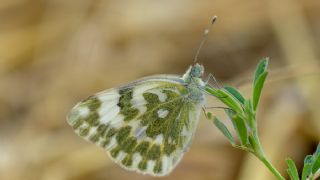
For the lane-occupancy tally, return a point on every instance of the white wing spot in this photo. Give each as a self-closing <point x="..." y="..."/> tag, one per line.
<point x="108" y="114"/>
<point x="162" y="96"/>
<point x="140" y="132"/>
<point x="136" y="158"/>
<point x="112" y="143"/>
<point x="92" y="131"/>
<point x="150" y="166"/>
<point x="134" y="124"/>
<point x="159" y="139"/>
<point x="120" y="156"/>
<point x="162" y="113"/>
<point x="166" y="163"/>
<point x="106" y="106"/>
<point x="139" y="90"/>
<point x="184" y="131"/>
<point x="83" y="111"/>
<point x="108" y="96"/>
<point x="139" y="102"/>
<point x="117" y="122"/>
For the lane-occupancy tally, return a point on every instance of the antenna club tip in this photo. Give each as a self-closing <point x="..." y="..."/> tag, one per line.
<point x="213" y="19"/>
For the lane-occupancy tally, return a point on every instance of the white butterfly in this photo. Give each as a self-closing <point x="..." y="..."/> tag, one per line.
<point x="145" y="126"/>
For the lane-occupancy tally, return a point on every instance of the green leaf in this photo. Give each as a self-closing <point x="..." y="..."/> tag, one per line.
<point x="316" y="162"/>
<point x="308" y="159"/>
<point x="224" y="130"/>
<point x="225" y="97"/>
<point x="258" y="81"/>
<point x="250" y="115"/>
<point x="257" y="88"/>
<point x="213" y="92"/>
<point x="235" y="93"/>
<point x="306" y="171"/>
<point x="292" y="170"/>
<point x="261" y="68"/>
<point x="316" y="165"/>
<point x="239" y="125"/>
<point x="318" y="149"/>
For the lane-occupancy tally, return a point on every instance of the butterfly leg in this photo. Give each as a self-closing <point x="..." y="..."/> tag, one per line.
<point x="205" y="112"/>
<point x="215" y="82"/>
<point x="218" y="107"/>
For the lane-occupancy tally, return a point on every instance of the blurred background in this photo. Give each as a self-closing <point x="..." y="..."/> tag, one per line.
<point x="54" y="53"/>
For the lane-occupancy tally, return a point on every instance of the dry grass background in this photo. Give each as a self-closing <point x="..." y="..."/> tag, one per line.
<point x="55" y="53"/>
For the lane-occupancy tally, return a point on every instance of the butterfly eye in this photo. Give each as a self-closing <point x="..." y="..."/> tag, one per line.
<point x="197" y="71"/>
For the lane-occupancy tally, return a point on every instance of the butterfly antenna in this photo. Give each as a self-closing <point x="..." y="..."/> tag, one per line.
<point x="204" y="38"/>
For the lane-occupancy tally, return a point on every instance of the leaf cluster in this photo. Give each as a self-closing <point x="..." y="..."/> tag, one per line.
<point x="242" y="113"/>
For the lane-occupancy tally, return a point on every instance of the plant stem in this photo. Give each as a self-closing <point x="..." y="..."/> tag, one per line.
<point x="261" y="155"/>
<point x="271" y="168"/>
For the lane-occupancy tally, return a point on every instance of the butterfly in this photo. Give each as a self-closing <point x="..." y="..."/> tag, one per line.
<point x="147" y="125"/>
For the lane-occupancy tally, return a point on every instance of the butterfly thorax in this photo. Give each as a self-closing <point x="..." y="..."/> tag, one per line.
<point x="194" y="83"/>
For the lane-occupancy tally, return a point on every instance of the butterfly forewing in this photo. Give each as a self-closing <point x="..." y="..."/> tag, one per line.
<point x="145" y="126"/>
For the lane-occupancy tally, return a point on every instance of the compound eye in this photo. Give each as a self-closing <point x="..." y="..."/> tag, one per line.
<point x="197" y="70"/>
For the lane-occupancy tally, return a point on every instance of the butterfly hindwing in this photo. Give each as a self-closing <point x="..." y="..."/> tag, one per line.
<point x="145" y="126"/>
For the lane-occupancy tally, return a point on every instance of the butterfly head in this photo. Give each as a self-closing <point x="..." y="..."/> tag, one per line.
<point x="197" y="71"/>
<point x="194" y="75"/>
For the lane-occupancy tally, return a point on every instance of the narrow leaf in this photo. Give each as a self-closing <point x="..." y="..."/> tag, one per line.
<point x="308" y="159"/>
<point x="292" y="170"/>
<point x="306" y="171"/>
<point x="235" y="93"/>
<point x="318" y="149"/>
<point x="261" y="68"/>
<point x="213" y="92"/>
<point x="250" y="115"/>
<point x="316" y="162"/>
<point x="257" y="88"/>
<point x="223" y="129"/>
<point x="316" y="165"/>
<point x="240" y="127"/>
<point x="225" y="97"/>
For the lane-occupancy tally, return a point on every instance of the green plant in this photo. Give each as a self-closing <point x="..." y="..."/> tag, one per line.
<point x="242" y="113"/>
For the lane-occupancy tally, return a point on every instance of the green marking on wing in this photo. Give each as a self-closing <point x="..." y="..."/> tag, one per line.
<point x="142" y="148"/>
<point x="127" y="161"/>
<point x="92" y="119"/>
<point x="143" y="164"/>
<point x="170" y="126"/>
<point x="129" y="144"/>
<point x="154" y="153"/>
<point x="157" y="125"/>
<point x="93" y="103"/>
<point x="125" y="105"/>
<point x="158" y="167"/>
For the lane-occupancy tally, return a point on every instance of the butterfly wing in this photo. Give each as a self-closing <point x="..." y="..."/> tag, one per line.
<point x="145" y="126"/>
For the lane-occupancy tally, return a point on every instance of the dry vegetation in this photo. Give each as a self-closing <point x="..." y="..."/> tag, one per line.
<point x="55" y="53"/>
